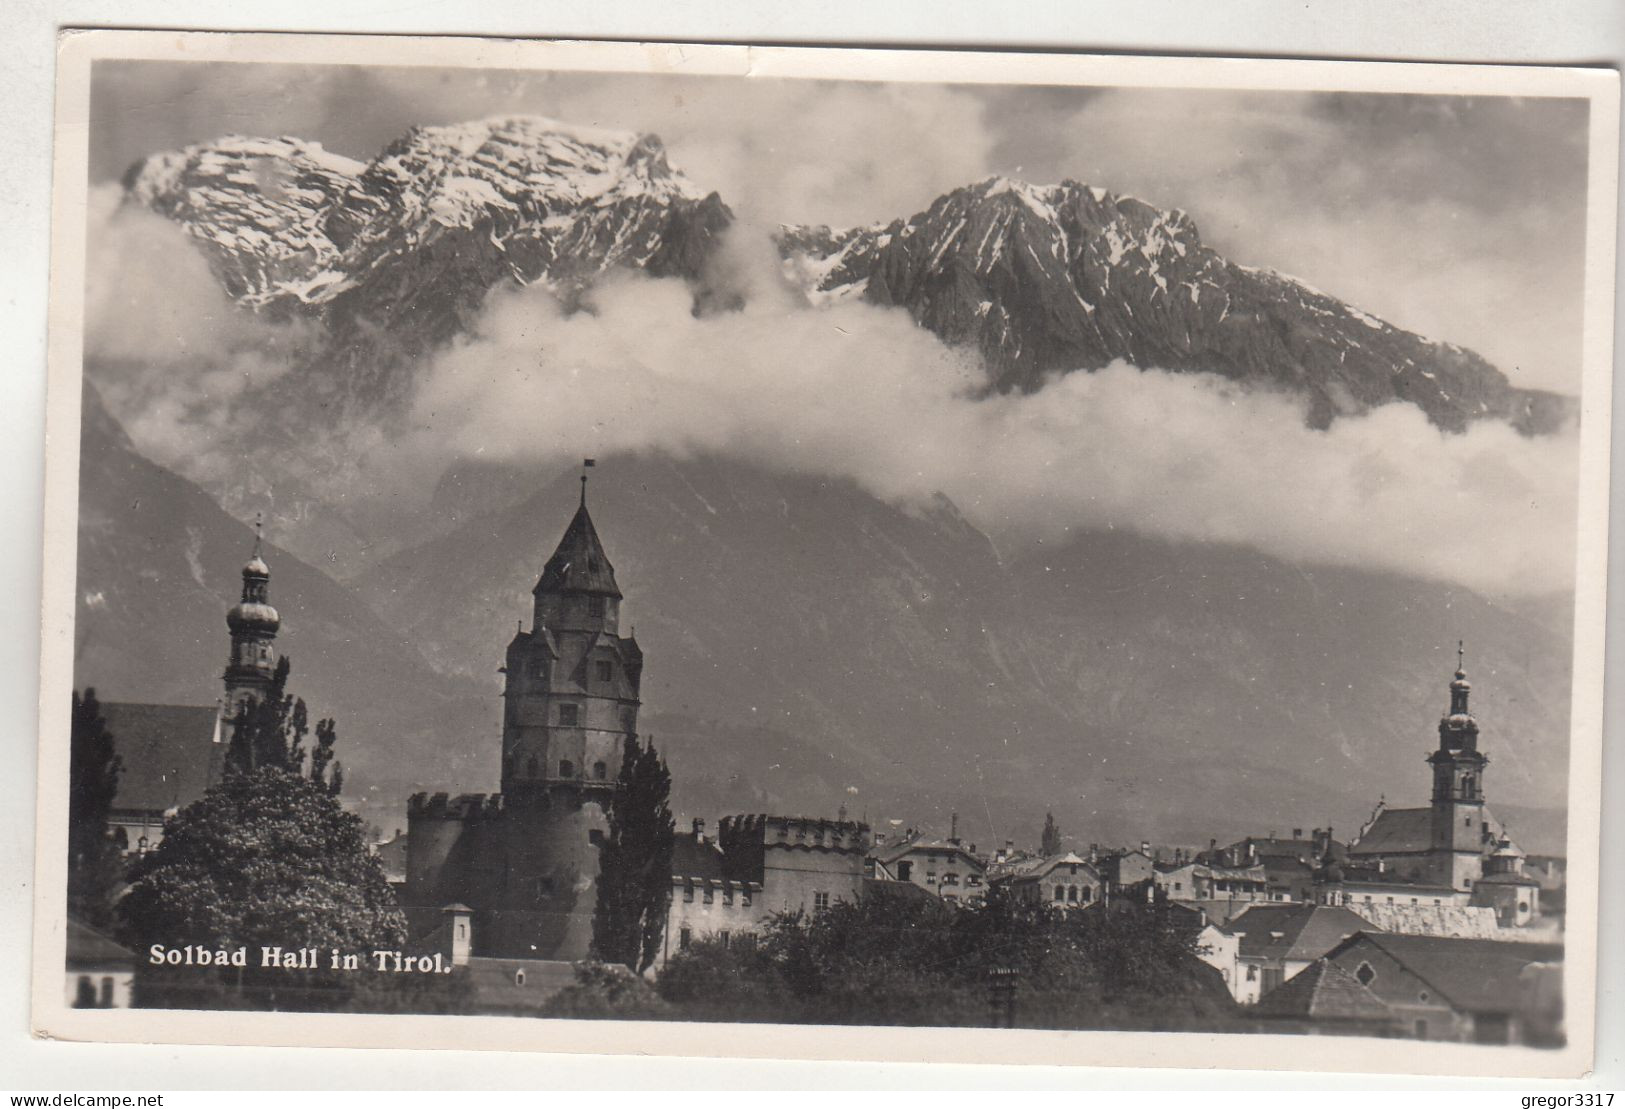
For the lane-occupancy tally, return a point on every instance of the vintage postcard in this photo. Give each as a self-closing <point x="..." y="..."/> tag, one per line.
<point x="981" y="557"/>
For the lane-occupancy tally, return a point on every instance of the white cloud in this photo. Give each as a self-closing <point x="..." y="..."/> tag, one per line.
<point x="860" y="391"/>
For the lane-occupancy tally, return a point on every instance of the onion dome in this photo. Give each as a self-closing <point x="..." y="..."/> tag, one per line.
<point x="254" y="614"/>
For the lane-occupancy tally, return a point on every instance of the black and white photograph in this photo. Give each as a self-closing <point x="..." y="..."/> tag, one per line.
<point x="570" y="538"/>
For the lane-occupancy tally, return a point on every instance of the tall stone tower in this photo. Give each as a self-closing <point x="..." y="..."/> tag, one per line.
<point x="572" y="681"/>
<point x="1458" y="824"/>
<point x="253" y="624"/>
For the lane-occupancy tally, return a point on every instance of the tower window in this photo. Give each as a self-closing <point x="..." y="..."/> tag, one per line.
<point x="605" y="669"/>
<point x="600" y="771"/>
<point x="532" y="770"/>
<point x="684" y="938"/>
<point x="567" y="769"/>
<point x="569" y="715"/>
<point x="595" y="606"/>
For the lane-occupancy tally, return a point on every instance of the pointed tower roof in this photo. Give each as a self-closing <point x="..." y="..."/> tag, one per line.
<point x="579" y="565"/>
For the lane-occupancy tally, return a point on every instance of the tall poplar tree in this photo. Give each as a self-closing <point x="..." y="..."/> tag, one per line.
<point x="634" y="861"/>
<point x="95" y="861"/>
<point x="1050" y="843"/>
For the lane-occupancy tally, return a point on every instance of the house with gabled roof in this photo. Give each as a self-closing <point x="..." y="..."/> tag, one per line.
<point x="1270" y="943"/>
<point x="1325" y="998"/>
<point x="1064" y="881"/>
<point x="949" y="868"/>
<point x="1467" y="990"/>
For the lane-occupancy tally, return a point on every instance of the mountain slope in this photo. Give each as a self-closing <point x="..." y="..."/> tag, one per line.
<point x="803" y="637"/>
<point x="159" y="564"/>
<point x="394" y="257"/>
<point x="1065" y="277"/>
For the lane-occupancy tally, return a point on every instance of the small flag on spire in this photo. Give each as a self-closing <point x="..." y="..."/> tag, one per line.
<point x="589" y="462"/>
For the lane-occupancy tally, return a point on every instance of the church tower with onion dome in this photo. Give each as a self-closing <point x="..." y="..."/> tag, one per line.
<point x="253" y="624"/>
<point x="1457" y="824"/>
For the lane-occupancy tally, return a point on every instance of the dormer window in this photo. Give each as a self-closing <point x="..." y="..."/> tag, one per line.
<point x="605" y="670"/>
<point x="569" y="715"/>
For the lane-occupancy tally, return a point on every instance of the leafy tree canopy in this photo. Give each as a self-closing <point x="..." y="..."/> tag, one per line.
<point x="264" y="858"/>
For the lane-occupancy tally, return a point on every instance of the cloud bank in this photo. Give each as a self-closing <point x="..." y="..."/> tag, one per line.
<point x="852" y="390"/>
<point x="861" y="392"/>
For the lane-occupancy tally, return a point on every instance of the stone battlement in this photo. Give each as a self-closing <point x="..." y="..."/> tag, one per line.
<point x="812" y="833"/>
<point x="463" y="807"/>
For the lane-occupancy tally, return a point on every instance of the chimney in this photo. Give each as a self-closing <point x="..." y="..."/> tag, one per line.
<point x="1009" y="847"/>
<point x="1297" y="833"/>
<point x="953" y="829"/>
<point x="699" y="829"/>
<point x="1145" y="847"/>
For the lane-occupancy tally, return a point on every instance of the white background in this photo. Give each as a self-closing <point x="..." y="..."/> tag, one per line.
<point x="1553" y="32"/>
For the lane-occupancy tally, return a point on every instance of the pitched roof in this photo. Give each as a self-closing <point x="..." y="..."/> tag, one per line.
<point x="692" y="859"/>
<point x="169" y="753"/>
<point x="1294" y="931"/>
<point x="907" y="891"/>
<point x="927" y="843"/>
<point x="1396" y="831"/>
<point x="86" y="946"/>
<point x="499" y="986"/>
<point x="579" y="564"/>
<point x="1323" y="991"/>
<point x="1473" y="975"/>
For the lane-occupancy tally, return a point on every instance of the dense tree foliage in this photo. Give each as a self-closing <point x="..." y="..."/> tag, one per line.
<point x="266" y="858"/>
<point x="269" y="731"/>
<point x="892" y="959"/>
<point x="95" y="860"/>
<point x="634" y="861"/>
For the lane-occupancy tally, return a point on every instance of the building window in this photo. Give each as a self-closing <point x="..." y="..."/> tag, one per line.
<point x="1421" y="1029"/>
<point x="903" y="870"/>
<point x="600" y="771"/>
<point x="531" y="768"/>
<point x="595" y="606"/>
<point x="1072" y="894"/>
<point x="569" y="715"/>
<point x="1423" y="996"/>
<point x="973" y="880"/>
<point x="684" y="938"/>
<point x="728" y="895"/>
<point x="605" y="669"/>
<point x="709" y="895"/>
<point x="1060" y="893"/>
<point x="85" y="996"/>
<point x="744" y="897"/>
<point x="724" y="939"/>
<point x="567" y="769"/>
<point x="107" y="993"/>
<point x="1252" y="973"/>
<point x="688" y="891"/>
<point x="1366" y="974"/>
<point x="820" y="901"/>
<point x="595" y="836"/>
<point x="519" y="977"/>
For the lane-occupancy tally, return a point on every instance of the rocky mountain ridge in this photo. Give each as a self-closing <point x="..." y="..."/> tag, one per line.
<point x="395" y="256"/>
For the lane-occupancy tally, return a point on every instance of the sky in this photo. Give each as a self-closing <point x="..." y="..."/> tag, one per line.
<point x="1461" y="218"/>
